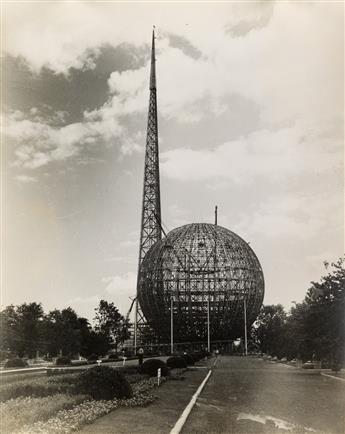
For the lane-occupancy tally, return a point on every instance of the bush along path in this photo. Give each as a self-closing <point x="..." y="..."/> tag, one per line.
<point x="161" y="415"/>
<point x="66" y="421"/>
<point x="65" y="403"/>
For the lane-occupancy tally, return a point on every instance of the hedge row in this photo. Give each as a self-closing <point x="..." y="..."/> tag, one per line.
<point x="151" y="366"/>
<point x="176" y="362"/>
<point x="15" y="363"/>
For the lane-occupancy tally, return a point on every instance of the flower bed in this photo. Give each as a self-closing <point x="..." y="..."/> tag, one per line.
<point x="70" y="420"/>
<point x="62" y="413"/>
<point x="66" y="421"/>
<point x="19" y="412"/>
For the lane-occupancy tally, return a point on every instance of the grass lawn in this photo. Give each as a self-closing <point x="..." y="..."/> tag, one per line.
<point x="50" y="404"/>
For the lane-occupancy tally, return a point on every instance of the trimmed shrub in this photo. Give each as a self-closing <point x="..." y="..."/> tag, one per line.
<point x="135" y="378"/>
<point x="15" y="363"/>
<point x="92" y="357"/>
<point x="103" y="382"/>
<point x="151" y="366"/>
<point x="4" y="355"/>
<point x="62" y="361"/>
<point x="204" y="353"/>
<point x="79" y="362"/>
<point x="336" y="366"/>
<point x="196" y="357"/>
<point x="176" y="362"/>
<point x="113" y="357"/>
<point x="188" y="359"/>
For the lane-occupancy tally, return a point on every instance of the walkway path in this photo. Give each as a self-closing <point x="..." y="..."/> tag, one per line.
<point x="157" y="418"/>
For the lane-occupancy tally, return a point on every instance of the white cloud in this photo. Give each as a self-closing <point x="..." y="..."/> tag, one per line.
<point x="93" y="299"/>
<point x="62" y="35"/>
<point x="282" y="66"/>
<point x="133" y="144"/>
<point x="39" y="143"/>
<point x="269" y="154"/>
<point x="177" y="216"/>
<point x="292" y="218"/>
<point x="131" y="240"/>
<point x="121" y="288"/>
<point x="129" y="243"/>
<point x="25" y="179"/>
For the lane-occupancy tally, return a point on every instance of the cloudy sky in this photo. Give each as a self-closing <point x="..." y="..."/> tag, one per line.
<point x="250" y="99"/>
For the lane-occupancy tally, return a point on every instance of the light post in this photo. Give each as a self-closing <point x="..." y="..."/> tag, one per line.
<point x="245" y="326"/>
<point x="171" y="325"/>
<point x="135" y="324"/>
<point x="215" y="279"/>
<point x="208" y="324"/>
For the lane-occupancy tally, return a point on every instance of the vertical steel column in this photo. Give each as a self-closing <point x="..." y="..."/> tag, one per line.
<point x="245" y="326"/>
<point x="214" y="281"/>
<point x="150" y="230"/>
<point x="135" y="324"/>
<point x="172" y="325"/>
<point x="208" y="324"/>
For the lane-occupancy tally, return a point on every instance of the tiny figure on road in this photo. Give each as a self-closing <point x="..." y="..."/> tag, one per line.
<point x="217" y="353"/>
<point x="140" y="355"/>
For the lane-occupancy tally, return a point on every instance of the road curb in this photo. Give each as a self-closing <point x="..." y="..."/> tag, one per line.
<point x="332" y="376"/>
<point x="23" y="370"/>
<point x="182" y="419"/>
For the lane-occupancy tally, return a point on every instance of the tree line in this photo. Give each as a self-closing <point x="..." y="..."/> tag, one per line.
<point x="26" y="329"/>
<point x="313" y="329"/>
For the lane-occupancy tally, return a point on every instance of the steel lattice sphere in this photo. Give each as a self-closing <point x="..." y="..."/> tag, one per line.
<point x="198" y="267"/>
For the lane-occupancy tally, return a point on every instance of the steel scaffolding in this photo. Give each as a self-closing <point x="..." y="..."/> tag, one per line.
<point x="150" y="231"/>
<point x="206" y="270"/>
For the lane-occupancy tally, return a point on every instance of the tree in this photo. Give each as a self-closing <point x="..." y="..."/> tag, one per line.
<point x="21" y="329"/>
<point x="8" y="321"/>
<point x="111" y="323"/>
<point x="315" y="328"/>
<point x="269" y="329"/>
<point x="65" y="331"/>
<point x="95" y="343"/>
<point x="297" y="345"/>
<point x="25" y="328"/>
<point x="324" y="319"/>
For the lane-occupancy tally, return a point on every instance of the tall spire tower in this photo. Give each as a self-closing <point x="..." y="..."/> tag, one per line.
<point x="150" y="231"/>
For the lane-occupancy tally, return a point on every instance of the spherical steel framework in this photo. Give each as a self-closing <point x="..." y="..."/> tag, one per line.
<point x="198" y="267"/>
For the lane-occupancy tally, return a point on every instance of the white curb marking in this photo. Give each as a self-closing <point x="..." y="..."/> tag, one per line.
<point x="23" y="370"/>
<point x="332" y="376"/>
<point x="182" y="420"/>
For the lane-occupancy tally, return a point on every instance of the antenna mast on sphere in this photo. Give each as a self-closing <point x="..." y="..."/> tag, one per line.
<point x="150" y="231"/>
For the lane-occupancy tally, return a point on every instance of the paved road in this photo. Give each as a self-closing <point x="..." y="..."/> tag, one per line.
<point x="248" y="395"/>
